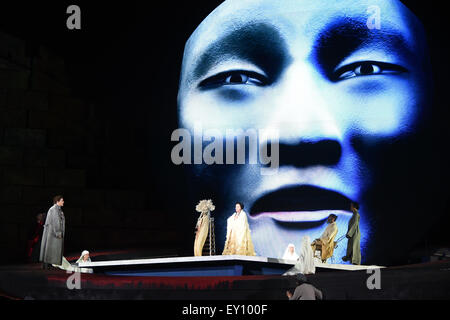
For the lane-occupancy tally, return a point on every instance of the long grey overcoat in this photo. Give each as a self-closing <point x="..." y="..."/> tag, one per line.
<point x="52" y="245"/>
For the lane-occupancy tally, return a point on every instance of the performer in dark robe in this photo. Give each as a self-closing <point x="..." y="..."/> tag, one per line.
<point x="52" y="245"/>
<point x="354" y="236"/>
<point x="34" y="238"/>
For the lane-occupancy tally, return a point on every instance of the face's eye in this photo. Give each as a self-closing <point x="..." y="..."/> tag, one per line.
<point x="366" y="68"/>
<point x="235" y="77"/>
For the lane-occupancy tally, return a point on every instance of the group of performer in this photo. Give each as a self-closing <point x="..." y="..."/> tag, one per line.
<point x="238" y="238"/>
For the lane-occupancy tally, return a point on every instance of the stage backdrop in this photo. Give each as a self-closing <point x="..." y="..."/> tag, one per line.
<point x="294" y="108"/>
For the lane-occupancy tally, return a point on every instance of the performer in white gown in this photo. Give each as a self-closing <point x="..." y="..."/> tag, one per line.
<point x="305" y="262"/>
<point x="326" y="240"/>
<point x="238" y="241"/>
<point x="66" y="265"/>
<point x="83" y="259"/>
<point x="289" y="253"/>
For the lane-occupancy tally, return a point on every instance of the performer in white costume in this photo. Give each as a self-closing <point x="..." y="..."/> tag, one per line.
<point x="289" y="253"/>
<point x="238" y="241"/>
<point x="305" y="262"/>
<point x="83" y="259"/>
<point x="66" y="265"/>
<point x="326" y="240"/>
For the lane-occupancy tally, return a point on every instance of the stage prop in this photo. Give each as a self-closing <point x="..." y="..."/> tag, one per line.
<point x="232" y="265"/>
<point x="205" y="240"/>
<point x="337" y="281"/>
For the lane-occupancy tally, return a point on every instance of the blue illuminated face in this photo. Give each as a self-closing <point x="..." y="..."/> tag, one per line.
<point x="334" y="88"/>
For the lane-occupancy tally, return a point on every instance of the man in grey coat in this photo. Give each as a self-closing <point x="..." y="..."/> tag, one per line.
<point x="354" y="237"/>
<point x="304" y="290"/>
<point x="52" y="245"/>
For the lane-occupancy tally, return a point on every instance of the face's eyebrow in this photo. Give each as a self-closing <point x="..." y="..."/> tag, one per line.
<point x="258" y="43"/>
<point x="339" y="39"/>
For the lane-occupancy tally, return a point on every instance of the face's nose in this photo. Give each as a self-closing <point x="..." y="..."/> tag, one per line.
<point x="310" y="132"/>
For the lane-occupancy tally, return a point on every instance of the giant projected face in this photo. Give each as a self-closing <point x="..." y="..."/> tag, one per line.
<point x="337" y="89"/>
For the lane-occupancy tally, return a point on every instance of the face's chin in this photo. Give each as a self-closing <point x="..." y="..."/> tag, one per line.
<point x="277" y="216"/>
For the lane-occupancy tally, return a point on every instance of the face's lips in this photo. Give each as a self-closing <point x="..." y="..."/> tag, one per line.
<point x="302" y="216"/>
<point x="300" y="204"/>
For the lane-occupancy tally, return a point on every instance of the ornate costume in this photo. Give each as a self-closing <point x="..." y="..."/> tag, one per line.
<point x="326" y="241"/>
<point x="202" y="227"/>
<point x="238" y="241"/>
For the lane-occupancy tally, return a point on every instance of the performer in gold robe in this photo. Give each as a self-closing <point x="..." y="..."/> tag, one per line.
<point x="326" y="240"/>
<point x="202" y="227"/>
<point x="238" y="241"/>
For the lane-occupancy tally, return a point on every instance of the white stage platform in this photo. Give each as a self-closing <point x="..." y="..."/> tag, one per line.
<point x="230" y="265"/>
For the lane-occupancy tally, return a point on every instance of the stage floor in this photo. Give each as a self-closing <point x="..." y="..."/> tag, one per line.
<point x="229" y="265"/>
<point x="342" y="282"/>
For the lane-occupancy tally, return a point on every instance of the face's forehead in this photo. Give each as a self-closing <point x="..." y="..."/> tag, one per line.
<point x="298" y="16"/>
<point x="299" y="22"/>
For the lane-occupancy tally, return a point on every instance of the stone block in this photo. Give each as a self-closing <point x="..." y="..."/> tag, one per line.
<point x="45" y="83"/>
<point x="35" y="100"/>
<point x="46" y="120"/>
<point x="3" y="94"/>
<point x="9" y="233"/>
<point x="144" y="219"/>
<point x="73" y="109"/>
<point x="51" y="63"/>
<point x="11" y="155"/>
<point x="19" y="214"/>
<point x="65" y="177"/>
<point x="24" y="176"/>
<point x="85" y="198"/>
<point x="25" y="99"/>
<point x="14" y="78"/>
<point x="67" y="139"/>
<point x="24" y="137"/>
<point x="42" y="196"/>
<point x="42" y="157"/>
<point x="87" y="238"/>
<point x="82" y="161"/>
<point x="13" y="118"/>
<point x="13" y="49"/>
<point x="10" y="194"/>
<point x="126" y="199"/>
<point x="97" y="217"/>
<point x="74" y="216"/>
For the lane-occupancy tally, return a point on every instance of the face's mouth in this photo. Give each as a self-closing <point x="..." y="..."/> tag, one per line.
<point x="304" y="203"/>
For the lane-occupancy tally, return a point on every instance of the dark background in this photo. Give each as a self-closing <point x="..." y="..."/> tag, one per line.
<point x="89" y="113"/>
